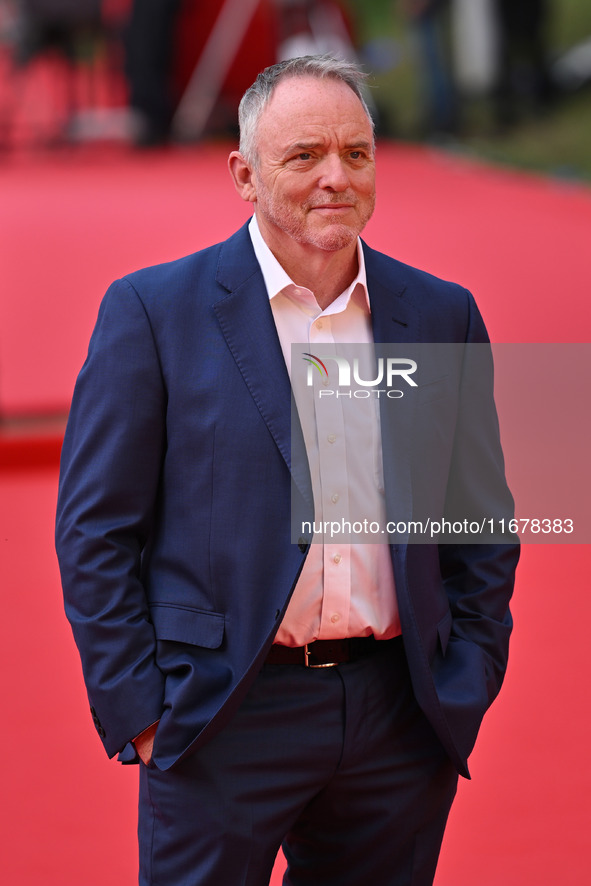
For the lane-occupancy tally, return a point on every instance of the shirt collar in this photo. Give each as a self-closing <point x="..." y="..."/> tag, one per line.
<point x="277" y="279"/>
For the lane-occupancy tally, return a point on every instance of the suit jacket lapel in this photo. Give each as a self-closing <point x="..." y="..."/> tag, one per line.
<point x="395" y="321"/>
<point x="394" y="318"/>
<point x="246" y="321"/>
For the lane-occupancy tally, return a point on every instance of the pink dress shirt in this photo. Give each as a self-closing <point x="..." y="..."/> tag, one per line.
<point x="345" y="589"/>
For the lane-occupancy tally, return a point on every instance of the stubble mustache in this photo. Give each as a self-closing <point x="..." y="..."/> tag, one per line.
<point x="336" y="200"/>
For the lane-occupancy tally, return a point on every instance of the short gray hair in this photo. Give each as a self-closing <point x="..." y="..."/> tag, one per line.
<point x="257" y="96"/>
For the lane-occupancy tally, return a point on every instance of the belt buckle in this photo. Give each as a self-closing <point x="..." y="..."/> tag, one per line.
<point x="307" y="654"/>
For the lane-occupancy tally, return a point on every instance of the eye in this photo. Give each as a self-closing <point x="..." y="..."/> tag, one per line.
<point x="356" y="155"/>
<point x="304" y="155"/>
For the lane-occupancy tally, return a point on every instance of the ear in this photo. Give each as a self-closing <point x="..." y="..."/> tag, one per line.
<point x="242" y="176"/>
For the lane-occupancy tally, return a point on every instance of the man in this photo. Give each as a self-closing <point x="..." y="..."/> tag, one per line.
<point x="322" y="695"/>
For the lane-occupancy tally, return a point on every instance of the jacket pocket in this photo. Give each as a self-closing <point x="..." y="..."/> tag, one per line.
<point x="182" y="624"/>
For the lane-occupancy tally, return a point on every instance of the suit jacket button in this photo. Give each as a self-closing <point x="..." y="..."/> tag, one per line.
<point x="303" y="544"/>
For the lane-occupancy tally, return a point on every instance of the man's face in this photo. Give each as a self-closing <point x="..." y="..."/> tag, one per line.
<point x="315" y="177"/>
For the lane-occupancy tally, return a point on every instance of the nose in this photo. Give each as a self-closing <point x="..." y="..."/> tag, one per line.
<point x="333" y="174"/>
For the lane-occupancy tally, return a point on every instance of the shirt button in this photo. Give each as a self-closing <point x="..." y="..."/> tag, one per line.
<point x="331" y="438"/>
<point x="334" y="618"/>
<point x="334" y="498"/>
<point x="319" y="324"/>
<point x="337" y="558"/>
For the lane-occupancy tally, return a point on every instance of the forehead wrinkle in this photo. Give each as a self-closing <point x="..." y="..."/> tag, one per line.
<point x="305" y="143"/>
<point x="318" y="143"/>
<point x="353" y="143"/>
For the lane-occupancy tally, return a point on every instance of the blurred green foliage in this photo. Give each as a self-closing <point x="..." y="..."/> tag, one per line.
<point x="557" y="141"/>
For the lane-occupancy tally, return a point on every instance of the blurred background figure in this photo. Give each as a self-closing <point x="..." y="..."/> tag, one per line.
<point x="501" y="54"/>
<point x="150" y="48"/>
<point x="55" y="24"/>
<point x="523" y="78"/>
<point x="475" y="39"/>
<point x="429" y="22"/>
<point x="59" y="61"/>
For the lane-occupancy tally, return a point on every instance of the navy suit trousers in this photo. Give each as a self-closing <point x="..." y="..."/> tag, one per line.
<point x="337" y="765"/>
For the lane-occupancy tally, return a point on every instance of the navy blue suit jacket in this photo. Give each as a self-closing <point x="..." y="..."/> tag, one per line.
<point x="173" y="529"/>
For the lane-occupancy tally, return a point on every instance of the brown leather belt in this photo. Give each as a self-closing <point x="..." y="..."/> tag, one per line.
<point x="325" y="653"/>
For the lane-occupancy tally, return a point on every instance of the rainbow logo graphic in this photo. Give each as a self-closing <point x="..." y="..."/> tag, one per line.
<point x="317" y="362"/>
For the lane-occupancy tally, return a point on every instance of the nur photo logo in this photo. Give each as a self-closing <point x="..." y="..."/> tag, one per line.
<point x="388" y="371"/>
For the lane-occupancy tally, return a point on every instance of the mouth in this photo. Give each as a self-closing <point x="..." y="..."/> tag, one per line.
<point x="332" y="208"/>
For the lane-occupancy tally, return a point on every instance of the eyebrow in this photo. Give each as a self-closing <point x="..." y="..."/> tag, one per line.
<point x="311" y="145"/>
<point x="302" y="146"/>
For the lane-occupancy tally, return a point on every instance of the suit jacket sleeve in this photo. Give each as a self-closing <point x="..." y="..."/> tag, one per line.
<point x="110" y="471"/>
<point x="478" y="576"/>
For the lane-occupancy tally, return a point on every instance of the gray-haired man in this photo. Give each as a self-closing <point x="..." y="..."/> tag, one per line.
<point x="320" y="696"/>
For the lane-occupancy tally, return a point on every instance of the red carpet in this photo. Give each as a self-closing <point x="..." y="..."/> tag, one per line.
<point x="72" y="222"/>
